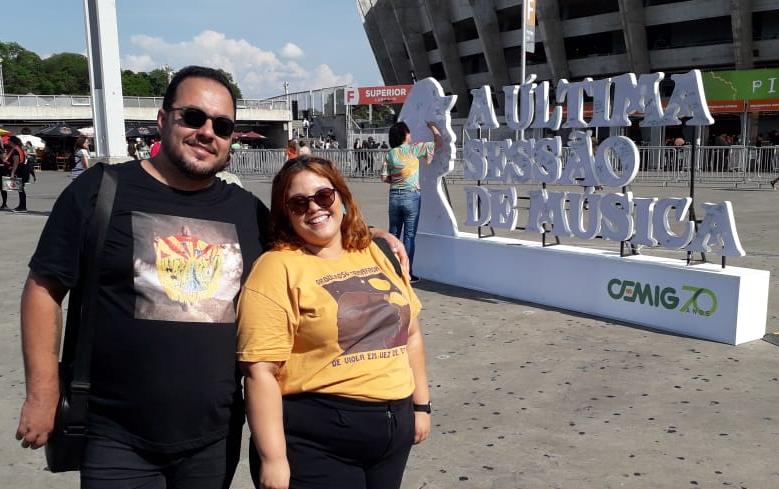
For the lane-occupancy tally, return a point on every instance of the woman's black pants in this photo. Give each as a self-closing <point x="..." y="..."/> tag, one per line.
<point x="339" y="442"/>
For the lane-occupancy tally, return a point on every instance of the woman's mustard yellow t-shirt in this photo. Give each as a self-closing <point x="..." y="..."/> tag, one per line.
<point x="340" y="326"/>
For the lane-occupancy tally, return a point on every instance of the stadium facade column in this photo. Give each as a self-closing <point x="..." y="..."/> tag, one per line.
<point x="634" y="26"/>
<point x="105" y="79"/>
<point x="443" y="32"/>
<point x="370" y="21"/>
<point x="548" y="15"/>
<point x="393" y="40"/>
<point x="486" y="20"/>
<point x="741" y="20"/>
<point x="409" y="17"/>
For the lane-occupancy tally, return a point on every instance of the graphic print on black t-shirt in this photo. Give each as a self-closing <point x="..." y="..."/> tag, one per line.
<point x="185" y="269"/>
<point x="368" y="318"/>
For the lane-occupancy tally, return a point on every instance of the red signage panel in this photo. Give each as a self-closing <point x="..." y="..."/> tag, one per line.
<point x="771" y="105"/>
<point x="391" y="94"/>
<point x="726" y="106"/>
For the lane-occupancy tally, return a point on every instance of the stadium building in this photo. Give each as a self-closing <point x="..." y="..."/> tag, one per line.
<point x="469" y="43"/>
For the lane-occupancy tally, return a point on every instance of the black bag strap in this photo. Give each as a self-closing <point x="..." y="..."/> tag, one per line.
<point x="86" y="329"/>
<point x="387" y="249"/>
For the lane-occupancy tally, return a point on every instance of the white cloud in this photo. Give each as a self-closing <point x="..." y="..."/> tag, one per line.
<point x="138" y="63"/>
<point x="259" y="73"/>
<point x="291" y="51"/>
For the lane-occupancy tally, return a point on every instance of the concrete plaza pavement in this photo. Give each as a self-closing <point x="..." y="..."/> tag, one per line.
<point x="525" y="396"/>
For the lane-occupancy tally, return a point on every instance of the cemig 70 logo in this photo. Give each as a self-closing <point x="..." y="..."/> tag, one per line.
<point x="699" y="301"/>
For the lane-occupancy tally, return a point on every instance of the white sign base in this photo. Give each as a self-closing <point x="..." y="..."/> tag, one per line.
<point x="705" y="301"/>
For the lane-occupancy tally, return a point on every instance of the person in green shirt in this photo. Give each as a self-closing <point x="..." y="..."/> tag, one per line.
<point x="401" y="171"/>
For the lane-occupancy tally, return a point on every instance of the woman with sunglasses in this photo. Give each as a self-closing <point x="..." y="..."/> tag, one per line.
<point x="329" y="343"/>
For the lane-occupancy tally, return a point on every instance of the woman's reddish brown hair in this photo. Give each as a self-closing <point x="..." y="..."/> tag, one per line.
<point x="354" y="232"/>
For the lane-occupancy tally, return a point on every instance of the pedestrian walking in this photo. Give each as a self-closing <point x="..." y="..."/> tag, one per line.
<point x="80" y="157"/>
<point x="31" y="160"/>
<point x="15" y="167"/>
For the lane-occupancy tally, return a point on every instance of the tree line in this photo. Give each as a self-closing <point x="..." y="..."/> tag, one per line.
<point x="68" y="74"/>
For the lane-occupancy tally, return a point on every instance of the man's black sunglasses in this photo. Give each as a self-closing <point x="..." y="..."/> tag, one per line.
<point x="194" y="117"/>
<point x="324" y="198"/>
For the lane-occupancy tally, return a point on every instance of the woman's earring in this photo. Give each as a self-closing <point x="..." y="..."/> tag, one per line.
<point x="343" y="209"/>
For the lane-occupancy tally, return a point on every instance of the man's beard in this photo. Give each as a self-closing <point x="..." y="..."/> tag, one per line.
<point x="190" y="170"/>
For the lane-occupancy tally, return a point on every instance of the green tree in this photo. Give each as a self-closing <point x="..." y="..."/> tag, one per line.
<point x="68" y="73"/>
<point x="382" y="115"/>
<point x="136" y="84"/>
<point x="233" y="86"/>
<point x="21" y="69"/>
<point x="158" y="80"/>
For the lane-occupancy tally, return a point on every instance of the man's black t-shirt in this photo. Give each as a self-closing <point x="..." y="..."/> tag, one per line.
<point x="163" y="369"/>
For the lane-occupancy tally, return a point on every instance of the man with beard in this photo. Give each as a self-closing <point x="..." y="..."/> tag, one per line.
<point x="165" y="408"/>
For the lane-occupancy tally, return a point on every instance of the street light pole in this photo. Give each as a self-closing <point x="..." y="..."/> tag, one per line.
<point x="523" y="62"/>
<point x="2" y="85"/>
<point x="286" y="97"/>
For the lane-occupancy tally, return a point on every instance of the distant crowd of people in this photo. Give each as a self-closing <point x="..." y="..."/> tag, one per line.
<point x="140" y="149"/>
<point x="768" y="139"/>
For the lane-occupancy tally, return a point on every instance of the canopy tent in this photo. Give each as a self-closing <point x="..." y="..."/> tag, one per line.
<point x="35" y="141"/>
<point x="142" y="132"/>
<point x="60" y="131"/>
<point x="249" y="136"/>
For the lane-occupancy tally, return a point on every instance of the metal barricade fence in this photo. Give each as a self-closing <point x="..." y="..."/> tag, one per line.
<point x="259" y="162"/>
<point x="659" y="165"/>
<point x="352" y="163"/>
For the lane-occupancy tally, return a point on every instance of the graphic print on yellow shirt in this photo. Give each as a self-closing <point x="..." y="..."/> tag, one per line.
<point x="338" y="326"/>
<point x="185" y="269"/>
<point x="367" y="318"/>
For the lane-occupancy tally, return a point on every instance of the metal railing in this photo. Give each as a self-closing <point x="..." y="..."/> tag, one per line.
<point x="327" y="101"/>
<point x="129" y="102"/>
<point x="46" y="100"/>
<point x="716" y="165"/>
<point x="360" y="163"/>
<point x="660" y="165"/>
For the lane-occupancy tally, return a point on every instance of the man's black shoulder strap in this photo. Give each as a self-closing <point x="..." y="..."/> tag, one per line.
<point x="86" y="328"/>
<point x="387" y="249"/>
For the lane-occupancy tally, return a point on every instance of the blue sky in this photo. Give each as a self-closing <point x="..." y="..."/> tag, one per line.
<point x="309" y="43"/>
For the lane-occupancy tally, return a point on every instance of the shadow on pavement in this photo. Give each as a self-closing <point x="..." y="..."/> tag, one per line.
<point x="27" y="213"/>
<point x="475" y="295"/>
